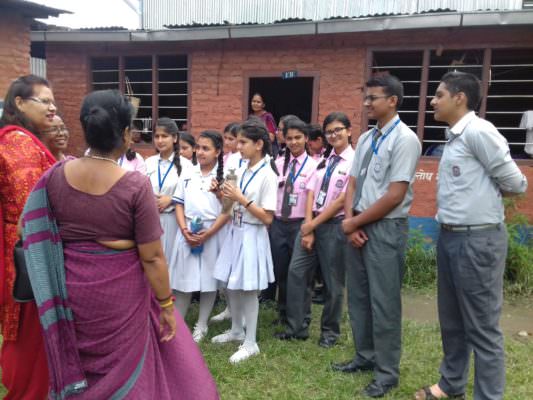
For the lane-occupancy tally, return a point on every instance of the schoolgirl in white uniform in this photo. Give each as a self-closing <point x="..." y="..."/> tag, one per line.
<point x="193" y="272"/>
<point x="245" y="262"/>
<point x="164" y="169"/>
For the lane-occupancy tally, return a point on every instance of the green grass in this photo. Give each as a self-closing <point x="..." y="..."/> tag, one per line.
<point x="300" y="370"/>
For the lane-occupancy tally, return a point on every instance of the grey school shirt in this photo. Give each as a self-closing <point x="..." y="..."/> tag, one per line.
<point x="475" y="168"/>
<point x="396" y="160"/>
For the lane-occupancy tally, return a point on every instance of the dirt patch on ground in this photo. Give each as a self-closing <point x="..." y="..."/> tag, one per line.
<point x="516" y="316"/>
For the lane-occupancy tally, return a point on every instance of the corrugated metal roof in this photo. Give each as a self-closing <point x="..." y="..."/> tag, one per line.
<point x="180" y="13"/>
<point x="32" y="10"/>
<point x="342" y="25"/>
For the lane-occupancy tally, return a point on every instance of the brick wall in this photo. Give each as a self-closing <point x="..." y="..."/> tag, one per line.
<point x="68" y="74"/>
<point x="219" y="69"/>
<point x="14" y="49"/>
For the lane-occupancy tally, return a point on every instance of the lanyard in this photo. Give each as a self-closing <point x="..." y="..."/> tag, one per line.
<point x="293" y="178"/>
<point x="375" y="148"/>
<point x="249" y="180"/>
<point x="162" y="182"/>
<point x="120" y="161"/>
<point x="331" y="167"/>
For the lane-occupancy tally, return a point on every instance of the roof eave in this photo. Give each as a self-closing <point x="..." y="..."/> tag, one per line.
<point x="368" y="24"/>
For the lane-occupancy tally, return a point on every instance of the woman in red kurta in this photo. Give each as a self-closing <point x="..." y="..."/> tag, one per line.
<point x="29" y="107"/>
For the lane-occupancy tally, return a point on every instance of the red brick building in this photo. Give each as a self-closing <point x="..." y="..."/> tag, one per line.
<point x="16" y="18"/>
<point x="205" y="76"/>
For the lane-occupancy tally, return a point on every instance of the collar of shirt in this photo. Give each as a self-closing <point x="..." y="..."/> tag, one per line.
<point x="170" y="159"/>
<point x="385" y="128"/>
<point x="213" y="171"/>
<point x="266" y="159"/>
<point x="300" y="159"/>
<point x="459" y="127"/>
<point x="345" y="155"/>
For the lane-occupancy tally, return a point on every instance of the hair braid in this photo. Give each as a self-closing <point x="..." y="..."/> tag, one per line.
<point x="322" y="164"/>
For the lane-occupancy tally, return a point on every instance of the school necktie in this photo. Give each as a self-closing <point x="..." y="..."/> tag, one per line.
<point x="360" y="180"/>
<point x="289" y="186"/>
<point x="327" y="176"/>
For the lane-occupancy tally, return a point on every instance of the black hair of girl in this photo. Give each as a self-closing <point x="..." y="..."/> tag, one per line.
<point x="283" y="120"/>
<point x="104" y="116"/>
<point x="218" y="142"/>
<point x="187" y="137"/>
<point x="21" y="87"/>
<point x="299" y="125"/>
<point x="255" y="130"/>
<point x="170" y="127"/>
<point x="332" y="117"/>
<point x="233" y="128"/>
<point x="315" y="132"/>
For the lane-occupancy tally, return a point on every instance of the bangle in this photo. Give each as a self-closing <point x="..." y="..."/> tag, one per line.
<point x="248" y="204"/>
<point x="168" y="303"/>
<point x="165" y="299"/>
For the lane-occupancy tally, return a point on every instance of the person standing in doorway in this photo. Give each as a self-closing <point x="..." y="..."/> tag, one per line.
<point x="258" y="106"/>
<point x="378" y="199"/>
<point x="475" y="172"/>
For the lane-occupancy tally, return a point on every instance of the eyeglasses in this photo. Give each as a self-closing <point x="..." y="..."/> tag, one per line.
<point x="372" y="98"/>
<point x="44" y="102"/>
<point x="335" y="131"/>
<point x="56" y="130"/>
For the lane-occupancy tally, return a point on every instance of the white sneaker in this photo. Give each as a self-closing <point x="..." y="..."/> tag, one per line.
<point x="245" y="351"/>
<point x="224" y="315"/>
<point x="227" y="337"/>
<point x="199" y="333"/>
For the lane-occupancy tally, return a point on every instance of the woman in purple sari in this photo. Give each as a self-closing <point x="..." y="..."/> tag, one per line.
<point x="92" y="243"/>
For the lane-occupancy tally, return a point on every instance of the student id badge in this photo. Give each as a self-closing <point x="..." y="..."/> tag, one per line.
<point x="237" y="217"/>
<point x="321" y="198"/>
<point x="293" y="199"/>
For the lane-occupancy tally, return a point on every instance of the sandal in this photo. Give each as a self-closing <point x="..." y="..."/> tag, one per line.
<point x="425" y="394"/>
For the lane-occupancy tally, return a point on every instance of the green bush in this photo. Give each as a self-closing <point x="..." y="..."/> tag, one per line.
<point x="519" y="264"/>
<point x="420" y="262"/>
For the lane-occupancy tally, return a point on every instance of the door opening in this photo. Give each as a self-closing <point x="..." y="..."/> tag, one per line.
<point x="285" y="96"/>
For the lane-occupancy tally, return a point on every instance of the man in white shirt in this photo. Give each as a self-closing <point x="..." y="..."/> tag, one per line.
<point x="476" y="170"/>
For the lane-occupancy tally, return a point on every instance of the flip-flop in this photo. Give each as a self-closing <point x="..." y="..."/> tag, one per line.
<point x="427" y="395"/>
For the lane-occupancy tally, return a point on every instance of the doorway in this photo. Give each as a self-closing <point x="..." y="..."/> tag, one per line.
<point x="285" y="96"/>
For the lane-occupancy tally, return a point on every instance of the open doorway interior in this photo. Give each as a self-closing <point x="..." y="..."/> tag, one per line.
<point x="285" y="96"/>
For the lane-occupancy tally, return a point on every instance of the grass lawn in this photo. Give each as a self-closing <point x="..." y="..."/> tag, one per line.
<point x="300" y="370"/>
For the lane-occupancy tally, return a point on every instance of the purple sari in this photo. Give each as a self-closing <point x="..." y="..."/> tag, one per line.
<point x="101" y="321"/>
<point x="117" y="325"/>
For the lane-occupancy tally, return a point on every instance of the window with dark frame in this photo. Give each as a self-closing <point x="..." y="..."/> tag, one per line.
<point x="159" y="82"/>
<point x="509" y="79"/>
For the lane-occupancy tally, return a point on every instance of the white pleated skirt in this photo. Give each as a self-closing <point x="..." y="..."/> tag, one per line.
<point x="171" y="235"/>
<point x="245" y="261"/>
<point x="195" y="272"/>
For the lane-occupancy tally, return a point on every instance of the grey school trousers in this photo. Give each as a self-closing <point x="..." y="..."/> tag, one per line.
<point x="470" y="296"/>
<point x="329" y="252"/>
<point x="374" y="281"/>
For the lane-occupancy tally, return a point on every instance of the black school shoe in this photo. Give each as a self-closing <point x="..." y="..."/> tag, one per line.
<point x="376" y="389"/>
<point x="327" y="342"/>
<point x="351" y="367"/>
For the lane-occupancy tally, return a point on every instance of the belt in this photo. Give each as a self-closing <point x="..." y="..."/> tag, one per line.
<point x="289" y="219"/>
<point x="469" y="228"/>
<point x="332" y="220"/>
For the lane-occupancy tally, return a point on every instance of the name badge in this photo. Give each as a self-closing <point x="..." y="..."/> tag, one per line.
<point x="293" y="199"/>
<point x="342" y="172"/>
<point x="237" y="217"/>
<point x="321" y="198"/>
